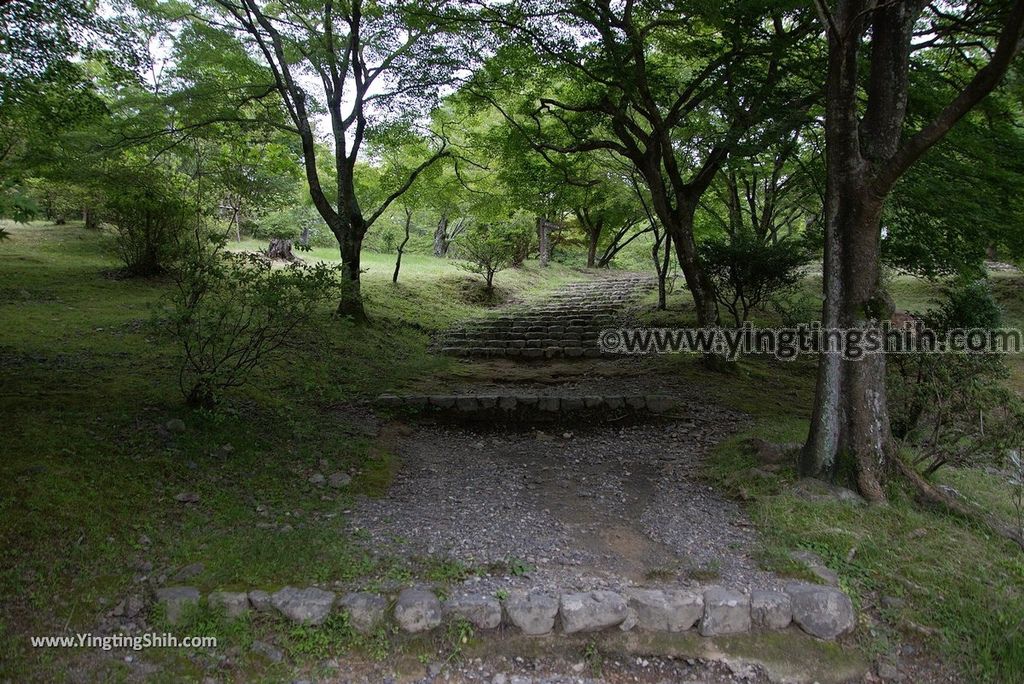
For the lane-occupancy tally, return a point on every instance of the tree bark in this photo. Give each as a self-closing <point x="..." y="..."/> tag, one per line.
<point x="401" y="247"/>
<point x="441" y="236"/>
<point x="680" y="232"/>
<point x="543" y="240"/>
<point x="592" y="238"/>
<point x="351" y="303"/>
<point x="850" y="435"/>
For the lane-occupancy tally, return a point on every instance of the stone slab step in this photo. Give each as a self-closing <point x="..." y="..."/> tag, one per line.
<point x="528" y="407"/>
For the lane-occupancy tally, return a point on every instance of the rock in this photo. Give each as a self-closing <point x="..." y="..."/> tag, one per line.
<point x="665" y="611"/>
<point x="317" y="479"/>
<point x="823" y="612"/>
<point x="417" y="610"/>
<point x="175" y="425"/>
<point x="134" y="605"/>
<point x="892" y="602"/>
<point x="187" y="497"/>
<point x="365" y="610"/>
<point x="260" y="601"/>
<point x="770" y="609"/>
<point x="813" y="489"/>
<point x="309" y="606"/>
<point x="886" y="671"/>
<point x="233" y="603"/>
<point x="188" y="572"/>
<point x="533" y="613"/>
<point x="813" y="562"/>
<point x="483" y="612"/>
<point x="339" y="480"/>
<point x="657" y="403"/>
<point x="268" y="651"/>
<point x="725" y="612"/>
<point x="548" y="404"/>
<point x="592" y="611"/>
<point x="176" y="600"/>
<point x="769" y="452"/>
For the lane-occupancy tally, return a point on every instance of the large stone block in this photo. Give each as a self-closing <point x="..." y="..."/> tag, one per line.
<point x="309" y="606"/>
<point x="725" y="612"/>
<point x="417" y="610"/>
<point x="823" y="612"/>
<point x="665" y="611"/>
<point x="592" y="611"/>
<point x="532" y="612"/>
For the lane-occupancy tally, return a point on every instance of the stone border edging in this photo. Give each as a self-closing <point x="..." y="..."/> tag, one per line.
<point x="821" y="611"/>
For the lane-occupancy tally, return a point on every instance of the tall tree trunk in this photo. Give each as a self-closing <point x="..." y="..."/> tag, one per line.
<point x="680" y="232"/>
<point x="351" y="303"/>
<point x="864" y="157"/>
<point x="849" y="434"/>
<point x="441" y="236"/>
<point x="592" y="237"/>
<point x="543" y="240"/>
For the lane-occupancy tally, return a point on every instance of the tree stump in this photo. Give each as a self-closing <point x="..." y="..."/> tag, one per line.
<point x="281" y="249"/>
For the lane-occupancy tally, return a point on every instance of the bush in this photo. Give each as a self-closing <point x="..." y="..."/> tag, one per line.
<point x="487" y="249"/>
<point x="747" y="272"/>
<point x="151" y="218"/>
<point x="953" y="408"/>
<point x="233" y="311"/>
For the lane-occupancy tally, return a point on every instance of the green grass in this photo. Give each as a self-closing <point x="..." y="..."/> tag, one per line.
<point x="89" y="470"/>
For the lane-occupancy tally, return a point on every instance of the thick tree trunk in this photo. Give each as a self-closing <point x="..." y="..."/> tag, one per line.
<point x="441" y="237"/>
<point x="281" y="249"/>
<point x="849" y="436"/>
<point x="351" y="303"/>
<point x="90" y="218"/>
<point x="592" y="237"/>
<point x="680" y="232"/>
<point x="543" y="240"/>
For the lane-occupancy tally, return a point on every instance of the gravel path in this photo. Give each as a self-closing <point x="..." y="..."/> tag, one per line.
<point x="580" y="506"/>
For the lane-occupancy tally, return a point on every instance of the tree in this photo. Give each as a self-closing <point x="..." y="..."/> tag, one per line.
<point x="747" y="272"/>
<point x="378" y="65"/>
<point x="486" y="249"/>
<point x="867" y="152"/>
<point x="672" y="88"/>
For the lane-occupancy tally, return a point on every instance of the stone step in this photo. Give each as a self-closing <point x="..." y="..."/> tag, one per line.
<point x="565" y="325"/>
<point x="528" y="407"/>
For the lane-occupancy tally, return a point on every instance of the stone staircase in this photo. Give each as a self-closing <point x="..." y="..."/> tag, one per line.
<point x="565" y="325"/>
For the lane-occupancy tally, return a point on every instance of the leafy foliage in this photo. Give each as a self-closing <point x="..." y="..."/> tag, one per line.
<point x="487" y="249"/>
<point x="233" y="310"/>
<point x="953" y="407"/>
<point x="747" y="272"/>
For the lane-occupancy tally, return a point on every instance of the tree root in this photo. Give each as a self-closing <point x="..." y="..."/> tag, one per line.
<point x="930" y="494"/>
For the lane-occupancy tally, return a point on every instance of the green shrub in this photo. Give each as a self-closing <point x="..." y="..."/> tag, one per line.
<point x="486" y="249"/>
<point x="151" y="218"/>
<point x="232" y="311"/>
<point x="747" y="272"/>
<point x="953" y="407"/>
